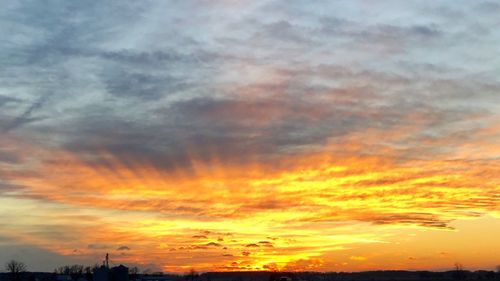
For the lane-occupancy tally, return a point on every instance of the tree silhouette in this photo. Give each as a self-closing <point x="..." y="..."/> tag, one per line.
<point x="134" y="272"/>
<point x="88" y="273"/>
<point x="191" y="275"/>
<point x="95" y="267"/>
<point x="76" y="270"/>
<point x="15" y="268"/>
<point x="459" y="273"/>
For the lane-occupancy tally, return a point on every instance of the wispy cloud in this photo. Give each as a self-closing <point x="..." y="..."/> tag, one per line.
<point x="202" y="128"/>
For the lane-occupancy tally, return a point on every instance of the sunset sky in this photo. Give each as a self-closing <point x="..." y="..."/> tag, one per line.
<point x="229" y="135"/>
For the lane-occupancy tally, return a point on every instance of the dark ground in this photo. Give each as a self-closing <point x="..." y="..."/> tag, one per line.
<point x="463" y="275"/>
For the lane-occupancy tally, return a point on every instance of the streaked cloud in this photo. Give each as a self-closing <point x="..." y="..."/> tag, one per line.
<point x="249" y="135"/>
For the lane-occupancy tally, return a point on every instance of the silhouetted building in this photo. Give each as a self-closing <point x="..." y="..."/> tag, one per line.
<point x="119" y="273"/>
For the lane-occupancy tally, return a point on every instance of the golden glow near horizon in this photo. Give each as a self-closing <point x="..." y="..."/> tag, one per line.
<point x="315" y="213"/>
<point x="250" y="135"/>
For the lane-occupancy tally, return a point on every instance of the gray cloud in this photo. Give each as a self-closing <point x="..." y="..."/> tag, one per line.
<point x="99" y="246"/>
<point x="157" y="84"/>
<point x="36" y="258"/>
<point x="6" y="188"/>
<point x="123" y="248"/>
<point x="5" y="101"/>
<point x="9" y="157"/>
<point x="27" y="115"/>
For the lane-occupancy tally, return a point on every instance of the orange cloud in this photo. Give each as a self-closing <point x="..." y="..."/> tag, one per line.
<point x="222" y="216"/>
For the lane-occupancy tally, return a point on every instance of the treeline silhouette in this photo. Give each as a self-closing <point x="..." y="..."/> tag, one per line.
<point x="78" y="271"/>
<point x="18" y="271"/>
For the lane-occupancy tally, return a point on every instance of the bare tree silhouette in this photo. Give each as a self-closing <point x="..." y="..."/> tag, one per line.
<point x="88" y="273"/>
<point x="191" y="275"/>
<point x="15" y="268"/>
<point x="94" y="268"/>
<point x="134" y="273"/>
<point x="459" y="273"/>
<point x="75" y="271"/>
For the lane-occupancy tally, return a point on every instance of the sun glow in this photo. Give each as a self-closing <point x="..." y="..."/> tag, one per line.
<point x="250" y="217"/>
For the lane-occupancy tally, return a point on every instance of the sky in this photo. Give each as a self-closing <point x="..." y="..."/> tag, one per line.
<point x="230" y="135"/>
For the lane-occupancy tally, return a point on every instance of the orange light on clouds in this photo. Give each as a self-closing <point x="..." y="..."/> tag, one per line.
<point x="313" y="212"/>
<point x="230" y="135"/>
